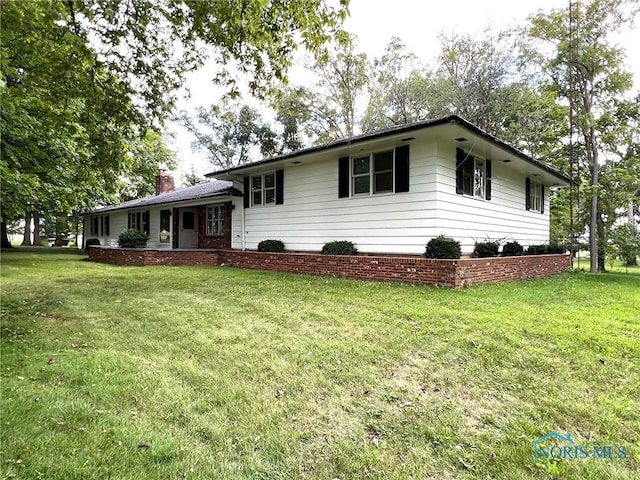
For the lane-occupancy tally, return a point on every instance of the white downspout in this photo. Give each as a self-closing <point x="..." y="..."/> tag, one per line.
<point x="243" y="227"/>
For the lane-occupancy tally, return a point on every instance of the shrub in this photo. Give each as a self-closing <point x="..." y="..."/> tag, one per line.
<point x="443" y="248"/>
<point x="271" y="246"/>
<point x="537" y="249"/>
<point x="90" y="241"/>
<point x="512" y="249"/>
<point x="556" y="247"/>
<point x="486" y="249"/>
<point x="339" y="247"/>
<point x="132" y="239"/>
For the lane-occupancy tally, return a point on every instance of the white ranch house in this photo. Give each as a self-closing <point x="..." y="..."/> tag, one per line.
<point x="388" y="192"/>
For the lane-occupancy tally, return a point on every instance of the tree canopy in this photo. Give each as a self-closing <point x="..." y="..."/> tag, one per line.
<point x="83" y="82"/>
<point x="588" y="71"/>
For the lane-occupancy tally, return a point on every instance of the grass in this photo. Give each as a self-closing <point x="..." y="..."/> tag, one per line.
<point x="204" y="373"/>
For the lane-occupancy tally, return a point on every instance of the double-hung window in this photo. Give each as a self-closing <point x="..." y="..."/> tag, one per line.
<point x="215" y="220"/>
<point x="534" y="196"/>
<point x="473" y="175"/>
<point x="104" y="226"/>
<point x="139" y="221"/>
<point x="263" y="189"/>
<point x="95" y="221"/>
<point x="165" y="226"/>
<point x="100" y="226"/>
<point x="372" y="173"/>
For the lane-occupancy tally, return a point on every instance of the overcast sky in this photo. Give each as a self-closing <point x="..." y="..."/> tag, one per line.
<point x="418" y="23"/>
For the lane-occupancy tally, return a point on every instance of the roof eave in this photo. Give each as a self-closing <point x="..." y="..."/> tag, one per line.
<point x="385" y="133"/>
<point x="231" y="191"/>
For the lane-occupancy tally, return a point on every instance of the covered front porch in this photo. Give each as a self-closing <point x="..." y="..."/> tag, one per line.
<point x="197" y="217"/>
<point x="199" y="227"/>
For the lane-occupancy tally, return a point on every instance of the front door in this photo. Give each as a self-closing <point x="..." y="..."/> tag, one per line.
<point x="188" y="229"/>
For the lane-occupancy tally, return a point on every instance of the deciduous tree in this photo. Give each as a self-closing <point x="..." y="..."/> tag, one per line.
<point x="600" y="81"/>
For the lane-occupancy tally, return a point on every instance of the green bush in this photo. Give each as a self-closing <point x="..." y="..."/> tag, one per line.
<point x="339" y="247"/>
<point x="271" y="246"/>
<point x="90" y="241"/>
<point x="537" y="249"/>
<point x="486" y="249"/>
<point x="443" y="248"/>
<point x="556" y="247"/>
<point x="132" y="239"/>
<point x="512" y="249"/>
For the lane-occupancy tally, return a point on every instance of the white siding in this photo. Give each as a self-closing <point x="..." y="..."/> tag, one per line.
<point x="402" y="223"/>
<point x="504" y="217"/>
<point x="119" y="221"/>
<point x="312" y="213"/>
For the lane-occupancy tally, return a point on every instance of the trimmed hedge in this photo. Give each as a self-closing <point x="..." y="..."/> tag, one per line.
<point x="339" y="247"/>
<point x="486" y="249"/>
<point x="271" y="246"/>
<point x="132" y="239"/>
<point x="556" y="247"/>
<point x="443" y="247"/>
<point x="537" y="249"/>
<point x="512" y="249"/>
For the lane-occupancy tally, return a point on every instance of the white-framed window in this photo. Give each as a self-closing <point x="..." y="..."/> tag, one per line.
<point x="105" y="229"/>
<point x="372" y="173"/>
<point x="94" y="226"/>
<point x="536" y="199"/>
<point x="165" y="226"/>
<point x="100" y="226"/>
<point x="474" y="177"/>
<point x="139" y="221"/>
<point x="263" y="189"/>
<point x="215" y="220"/>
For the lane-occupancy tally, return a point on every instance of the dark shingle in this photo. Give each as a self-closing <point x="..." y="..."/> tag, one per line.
<point x="202" y="190"/>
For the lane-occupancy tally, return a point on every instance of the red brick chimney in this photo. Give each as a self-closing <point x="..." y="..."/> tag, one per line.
<point x="164" y="183"/>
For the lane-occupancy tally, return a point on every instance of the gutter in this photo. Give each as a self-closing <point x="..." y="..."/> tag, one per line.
<point x="454" y="119"/>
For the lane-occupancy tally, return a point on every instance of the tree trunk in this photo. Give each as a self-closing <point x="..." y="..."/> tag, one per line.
<point x="77" y="234"/>
<point x="632" y="261"/>
<point x="36" y="230"/>
<point x="593" y="220"/>
<point x="26" y="241"/>
<point x="4" y="238"/>
<point x="602" y="243"/>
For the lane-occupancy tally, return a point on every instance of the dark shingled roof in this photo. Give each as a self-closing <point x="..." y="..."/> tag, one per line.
<point x="387" y="131"/>
<point x="202" y="190"/>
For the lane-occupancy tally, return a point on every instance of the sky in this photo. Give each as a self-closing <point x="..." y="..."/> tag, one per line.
<point x="417" y="23"/>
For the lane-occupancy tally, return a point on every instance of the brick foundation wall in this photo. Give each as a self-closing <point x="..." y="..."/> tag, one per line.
<point x="140" y="257"/>
<point x="447" y="273"/>
<point x="484" y="270"/>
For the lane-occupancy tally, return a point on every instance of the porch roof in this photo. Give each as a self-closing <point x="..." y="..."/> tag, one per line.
<point x="210" y="189"/>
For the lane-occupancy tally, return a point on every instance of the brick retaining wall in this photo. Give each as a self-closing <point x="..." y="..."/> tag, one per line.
<point x="139" y="257"/>
<point x="449" y="273"/>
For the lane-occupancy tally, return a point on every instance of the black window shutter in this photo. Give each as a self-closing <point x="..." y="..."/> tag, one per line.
<point x="343" y="177"/>
<point x="459" y="170"/>
<point x="279" y="187"/>
<point x="402" y="168"/>
<point x="527" y="194"/>
<point x="247" y="192"/>
<point x="488" y="192"/>
<point x="129" y="221"/>
<point x="541" y="198"/>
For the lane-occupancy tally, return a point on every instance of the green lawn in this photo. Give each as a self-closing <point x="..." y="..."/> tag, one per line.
<point x="219" y="373"/>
